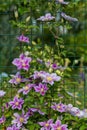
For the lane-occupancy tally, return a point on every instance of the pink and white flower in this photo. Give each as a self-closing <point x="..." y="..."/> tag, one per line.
<point x="2" y="119"/>
<point x="22" y="62"/>
<point x="59" y="107"/>
<point x="47" y="17"/>
<point x="19" y="120"/>
<point x="16" y="103"/>
<point x="41" y="88"/>
<point x="23" y="38"/>
<point x="59" y="126"/>
<point x="26" y="89"/>
<point x="46" y="125"/>
<point x="50" y="78"/>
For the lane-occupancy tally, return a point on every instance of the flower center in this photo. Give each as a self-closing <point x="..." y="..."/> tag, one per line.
<point x="17" y="103"/>
<point x="46" y="124"/>
<point x="21" y="119"/>
<point x="59" y="128"/>
<point x="23" y="64"/>
<point x="42" y="89"/>
<point x="58" y="107"/>
<point x="26" y="88"/>
<point x="49" y="78"/>
<point x="18" y="80"/>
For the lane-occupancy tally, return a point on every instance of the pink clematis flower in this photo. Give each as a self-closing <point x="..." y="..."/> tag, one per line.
<point x="25" y="90"/>
<point x="62" y="2"/>
<point x="55" y="66"/>
<point x="16" y="79"/>
<point x="22" y="62"/>
<point x="19" y="120"/>
<point x="59" y="126"/>
<point x="68" y="18"/>
<point x="47" y="17"/>
<point x="23" y="38"/>
<point x="16" y="103"/>
<point x="13" y="127"/>
<point x="41" y="88"/>
<point x="50" y="78"/>
<point x="59" y="107"/>
<point x="39" y="74"/>
<point x="46" y="125"/>
<point x="2" y="119"/>
<point x="32" y="110"/>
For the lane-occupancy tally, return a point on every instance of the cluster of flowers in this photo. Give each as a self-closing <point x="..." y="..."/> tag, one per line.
<point x="49" y="125"/>
<point x="17" y="103"/>
<point x="48" y="16"/>
<point x="41" y="87"/>
<point x="22" y="119"/>
<point x="51" y="65"/>
<point x="70" y="109"/>
<point x="44" y="78"/>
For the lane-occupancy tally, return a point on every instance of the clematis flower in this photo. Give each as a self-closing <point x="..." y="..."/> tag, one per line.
<point x="13" y="127"/>
<point x="2" y="93"/>
<point x="46" y="125"/>
<point x="2" y="119"/>
<point x="39" y="74"/>
<point x="16" y="103"/>
<point x="22" y="62"/>
<point x="19" y="120"/>
<point x="69" y="107"/>
<point x="69" y="18"/>
<point x="32" y="110"/>
<point x="59" y="126"/>
<point x="80" y="114"/>
<point x="23" y="38"/>
<point x="54" y="66"/>
<point x="26" y="89"/>
<point x="85" y="113"/>
<point x="76" y="112"/>
<point x="50" y="78"/>
<point x="59" y="107"/>
<point x="62" y="2"/>
<point x="17" y="79"/>
<point x="47" y="17"/>
<point x="46" y="77"/>
<point x="41" y="88"/>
